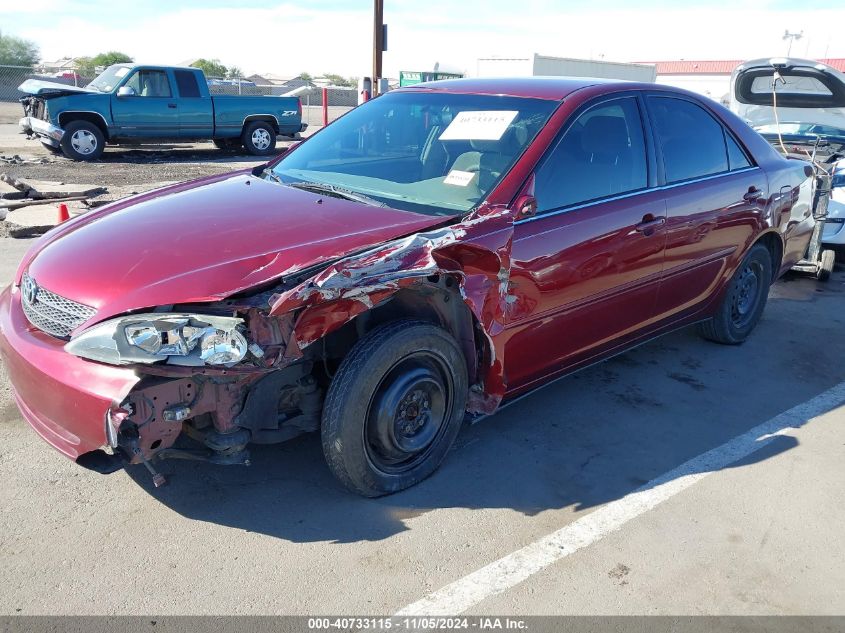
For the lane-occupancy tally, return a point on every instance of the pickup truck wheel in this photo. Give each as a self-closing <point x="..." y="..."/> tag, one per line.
<point x="83" y="141"/>
<point x="394" y="407"/>
<point x="259" y="138"/>
<point x="744" y="300"/>
<point x="227" y="144"/>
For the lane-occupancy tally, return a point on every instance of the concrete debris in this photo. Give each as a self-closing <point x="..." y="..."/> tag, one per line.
<point x="17" y="160"/>
<point x="47" y="189"/>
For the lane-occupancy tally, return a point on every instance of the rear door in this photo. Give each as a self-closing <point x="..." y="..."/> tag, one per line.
<point x="196" y="112"/>
<point x="714" y="196"/>
<point x="152" y="111"/>
<point x="585" y="269"/>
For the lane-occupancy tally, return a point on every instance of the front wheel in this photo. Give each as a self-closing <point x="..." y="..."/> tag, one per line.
<point x="394" y="407"/>
<point x="259" y="138"/>
<point x="744" y="299"/>
<point x="83" y="140"/>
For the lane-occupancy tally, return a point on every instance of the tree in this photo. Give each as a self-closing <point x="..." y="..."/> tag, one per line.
<point x="234" y="72"/>
<point x="305" y="77"/>
<point x="87" y="66"/>
<point x="211" y="67"/>
<point x="16" y="51"/>
<point x="338" y="80"/>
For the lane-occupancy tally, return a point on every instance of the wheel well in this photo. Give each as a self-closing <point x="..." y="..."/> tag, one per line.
<point x="65" y="118"/>
<point x="269" y="118"/>
<point x="437" y="300"/>
<point x="774" y="243"/>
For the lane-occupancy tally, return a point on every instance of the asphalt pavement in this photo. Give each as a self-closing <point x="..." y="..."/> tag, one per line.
<point x="646" y="473"/>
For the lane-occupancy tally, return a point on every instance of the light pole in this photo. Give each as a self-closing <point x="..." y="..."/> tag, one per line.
<point x="791" y="37"/>
<point x="378" y="41"/>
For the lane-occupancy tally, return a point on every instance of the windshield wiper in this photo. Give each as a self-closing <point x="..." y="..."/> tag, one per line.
<point x="335" y="191"/>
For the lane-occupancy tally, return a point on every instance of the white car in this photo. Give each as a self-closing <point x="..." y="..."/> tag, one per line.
<point x="810" y="101"/>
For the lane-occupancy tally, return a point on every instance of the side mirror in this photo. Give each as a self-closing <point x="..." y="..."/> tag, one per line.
<point x="126" y="91"/>
<point x="525" y="206"/>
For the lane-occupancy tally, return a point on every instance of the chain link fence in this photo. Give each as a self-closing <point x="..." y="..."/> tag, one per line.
<point x="13" y="76"/>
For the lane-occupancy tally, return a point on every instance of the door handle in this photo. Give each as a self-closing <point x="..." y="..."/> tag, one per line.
<point x="753" y="194"/>
<point x="649" y="223"/>
<point x="171" y="105"/>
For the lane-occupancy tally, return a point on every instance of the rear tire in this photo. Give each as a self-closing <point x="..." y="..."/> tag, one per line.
<point x="83" y="140"/>
<point x="826" y="264"/>
<point x="259" y="138"/>
<point x="394" y="407"/>
<point x="744" y="300"/>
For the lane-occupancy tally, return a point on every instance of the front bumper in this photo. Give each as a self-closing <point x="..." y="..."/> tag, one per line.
<point x="65" y="399"/>
<point x="47" y="131"/>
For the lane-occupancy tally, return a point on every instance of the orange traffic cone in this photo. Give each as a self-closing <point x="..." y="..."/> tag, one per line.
<point x="63" y="213"/>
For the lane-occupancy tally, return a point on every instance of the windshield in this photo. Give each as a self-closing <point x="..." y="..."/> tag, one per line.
<point x="109" y="78"/>
<point x="433" y="153"/>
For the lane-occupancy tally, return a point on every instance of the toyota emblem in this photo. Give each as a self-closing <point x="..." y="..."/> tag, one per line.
<point x="29" y="289"/>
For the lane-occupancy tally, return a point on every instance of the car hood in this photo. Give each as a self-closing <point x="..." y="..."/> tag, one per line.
<point x="204" y="241"/>
<point x="48" y="89"/>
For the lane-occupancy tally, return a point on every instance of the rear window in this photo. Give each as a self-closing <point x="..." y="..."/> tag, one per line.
<point x="799" y="88"/>
<point x="790" y="85"/>
<point x="186" y="81"/>
<point x="692" y="141"/>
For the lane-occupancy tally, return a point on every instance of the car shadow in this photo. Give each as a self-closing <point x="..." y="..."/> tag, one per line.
<point x="585" y="440"/>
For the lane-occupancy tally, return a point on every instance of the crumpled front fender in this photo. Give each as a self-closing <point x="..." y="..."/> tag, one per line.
<point x="475" y="252"/>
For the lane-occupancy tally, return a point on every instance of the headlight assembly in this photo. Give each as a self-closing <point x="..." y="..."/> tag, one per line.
<point x="180" y="339"/>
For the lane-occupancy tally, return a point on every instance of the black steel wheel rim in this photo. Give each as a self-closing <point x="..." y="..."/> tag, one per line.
<point x="408" y="413"/>
<point x="746" y="294"/>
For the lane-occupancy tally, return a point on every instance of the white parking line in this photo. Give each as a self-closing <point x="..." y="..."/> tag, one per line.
<point x="512" y="569"/>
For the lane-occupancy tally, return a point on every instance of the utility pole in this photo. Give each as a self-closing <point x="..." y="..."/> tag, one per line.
<point x="791" y="37"/>
<point x="378" y="41"/>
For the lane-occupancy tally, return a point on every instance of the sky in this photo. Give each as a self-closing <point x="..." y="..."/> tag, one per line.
<point x="334" y="36"/>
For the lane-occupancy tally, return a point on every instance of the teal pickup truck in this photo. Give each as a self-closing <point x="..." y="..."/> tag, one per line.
<point x="129" y="103"/>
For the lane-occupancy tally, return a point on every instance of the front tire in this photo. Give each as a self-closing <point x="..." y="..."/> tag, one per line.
<point x="83" y="140"/>
<point x="259" y="138"/>
<point x="744" y="300"/>
<point x="394" y="407"/>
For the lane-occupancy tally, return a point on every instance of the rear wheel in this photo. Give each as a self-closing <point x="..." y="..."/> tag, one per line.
<point x="394" y="407"/>
<point x="83" y="140"/>
<point x="826" y="264"/>
<point x="744" y="299"/>
<point x="259" y="138"/>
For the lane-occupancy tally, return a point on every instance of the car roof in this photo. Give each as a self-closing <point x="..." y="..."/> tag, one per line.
<point x="537" y="87"/>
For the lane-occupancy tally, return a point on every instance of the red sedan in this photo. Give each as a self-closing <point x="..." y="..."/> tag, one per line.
<point x="430" y="255"/>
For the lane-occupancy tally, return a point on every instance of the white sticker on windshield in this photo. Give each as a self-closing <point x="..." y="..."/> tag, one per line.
<point x="484" y="125"/>
<point x="460" y="178"/>
<point x="120" y="72"/>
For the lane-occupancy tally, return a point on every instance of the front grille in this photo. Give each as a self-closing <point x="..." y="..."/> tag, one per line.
<point x="35" y="107"/>
<point x="51" y="313"/>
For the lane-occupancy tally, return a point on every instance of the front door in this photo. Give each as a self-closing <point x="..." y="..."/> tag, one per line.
<point x="585" y="270"/>
<point x="151" y="111"/>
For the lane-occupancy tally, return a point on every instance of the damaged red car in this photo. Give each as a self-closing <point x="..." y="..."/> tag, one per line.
<point x="419" y="262"/>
